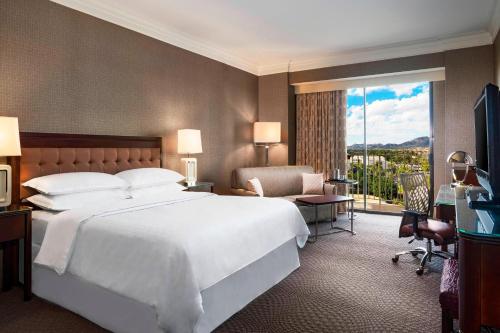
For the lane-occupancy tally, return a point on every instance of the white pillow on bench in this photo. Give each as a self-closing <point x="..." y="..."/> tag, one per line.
<point x="312" y="183"/>
<point x="254" y="185"/>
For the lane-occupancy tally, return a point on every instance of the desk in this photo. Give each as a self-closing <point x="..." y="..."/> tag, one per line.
<point x="479" y="269"/>
<point x="444" y="206"/>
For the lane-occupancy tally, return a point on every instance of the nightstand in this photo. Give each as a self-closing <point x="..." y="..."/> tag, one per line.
<point x="200" y="187"/>
<point x="15" y="224"/>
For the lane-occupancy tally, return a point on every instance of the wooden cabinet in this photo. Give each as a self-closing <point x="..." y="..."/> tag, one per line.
<point x="479" y="282"/>
<point x="15" y="224"/>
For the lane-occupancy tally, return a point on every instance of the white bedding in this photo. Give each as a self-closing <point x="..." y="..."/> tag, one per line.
<point x="164" y="251"/>
<point x="40" y="220"/>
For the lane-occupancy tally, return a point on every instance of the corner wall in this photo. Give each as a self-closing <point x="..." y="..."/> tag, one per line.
<point x="467" y="72"/>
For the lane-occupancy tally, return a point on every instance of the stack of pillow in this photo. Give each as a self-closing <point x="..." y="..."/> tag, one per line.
<point x="64" y="191"/>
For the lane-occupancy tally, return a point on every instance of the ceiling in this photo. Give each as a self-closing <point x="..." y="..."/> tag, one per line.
<point x="265" y="36"/>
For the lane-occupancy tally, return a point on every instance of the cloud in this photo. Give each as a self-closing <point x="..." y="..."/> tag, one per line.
<point x="355" y="92"/>
<point x="404" y="89"/>
<point x="391" y="120"/>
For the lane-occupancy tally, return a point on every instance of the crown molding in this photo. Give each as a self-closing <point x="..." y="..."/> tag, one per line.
<point x="383" y="53"/>
<point x="129" y="21"/>
<point x="495" y="21"/>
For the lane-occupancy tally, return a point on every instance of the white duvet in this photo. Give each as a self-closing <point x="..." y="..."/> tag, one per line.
<point x="164" y="251"/>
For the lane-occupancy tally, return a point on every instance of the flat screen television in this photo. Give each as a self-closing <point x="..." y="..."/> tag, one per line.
<point x="487" y="129"/>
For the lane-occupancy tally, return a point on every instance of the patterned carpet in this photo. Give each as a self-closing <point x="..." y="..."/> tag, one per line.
<point x="345" y="284"/>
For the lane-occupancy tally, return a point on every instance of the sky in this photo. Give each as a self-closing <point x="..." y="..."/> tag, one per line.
<point x="394" y="113"/>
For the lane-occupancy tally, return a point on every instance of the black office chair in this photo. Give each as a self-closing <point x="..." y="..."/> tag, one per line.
<point x="415" y="221"/>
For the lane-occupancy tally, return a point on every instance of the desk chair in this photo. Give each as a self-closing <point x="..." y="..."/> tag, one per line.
<point x="415" y="221"/>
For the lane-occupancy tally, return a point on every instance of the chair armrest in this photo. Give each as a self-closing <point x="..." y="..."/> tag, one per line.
<point x="243" y="192"/>
<point x="329" y="188"/>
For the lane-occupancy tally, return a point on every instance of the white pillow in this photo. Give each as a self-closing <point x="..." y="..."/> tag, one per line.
<point x="145" y="177"/>
<point x="254" y="185"/>
<point x="156" y="190"/>
<point x="76" y="200"/>
<point x="312" y="183"/>
<point x="75" y="182"/>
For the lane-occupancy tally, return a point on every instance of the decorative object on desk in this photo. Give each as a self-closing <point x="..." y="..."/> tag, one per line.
<point x="266" y="134"/>
<point x="189" y="142"/>
<point x="9" y="146"/>
<point x="471" y="176"/>
<point x="460" y="162"/>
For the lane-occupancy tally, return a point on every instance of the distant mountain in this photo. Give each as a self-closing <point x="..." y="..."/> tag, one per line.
<point x="421" y="142"/>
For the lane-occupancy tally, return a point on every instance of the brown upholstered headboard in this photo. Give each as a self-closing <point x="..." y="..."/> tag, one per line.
<point x="48" y="153"/>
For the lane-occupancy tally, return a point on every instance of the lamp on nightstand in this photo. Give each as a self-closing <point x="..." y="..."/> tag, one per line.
<point x="266" y="133"/>
<point x="189" y="142"/>
<point x="9" y="146"/>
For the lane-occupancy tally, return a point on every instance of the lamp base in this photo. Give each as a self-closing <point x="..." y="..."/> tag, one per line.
<point x="5" y="185"/>
<point x="190" y="169"/>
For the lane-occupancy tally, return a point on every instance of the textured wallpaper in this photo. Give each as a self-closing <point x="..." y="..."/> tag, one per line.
<point x="67" y="72"/>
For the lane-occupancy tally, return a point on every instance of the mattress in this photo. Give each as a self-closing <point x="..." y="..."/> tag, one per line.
<point x="220" y="301"/>
<point x="121" y="314"/>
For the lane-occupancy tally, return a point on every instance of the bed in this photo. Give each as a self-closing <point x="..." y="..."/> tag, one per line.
<point x="225" y="276"/>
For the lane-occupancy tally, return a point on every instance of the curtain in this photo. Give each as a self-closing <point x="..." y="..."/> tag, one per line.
<point x="321" y="131"/>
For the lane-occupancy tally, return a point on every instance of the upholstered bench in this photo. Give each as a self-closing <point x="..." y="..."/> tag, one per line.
<point x="448" y="294"/>
<point x="282" y="182"/>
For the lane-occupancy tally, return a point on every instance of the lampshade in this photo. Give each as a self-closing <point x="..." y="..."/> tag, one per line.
<point x="9" y="137"/>
<point x="189" y="141"/>
<point x="267" y="132"/>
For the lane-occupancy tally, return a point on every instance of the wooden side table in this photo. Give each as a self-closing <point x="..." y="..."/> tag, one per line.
<point x="15" y="224"/>
<point x="200" y="187"/>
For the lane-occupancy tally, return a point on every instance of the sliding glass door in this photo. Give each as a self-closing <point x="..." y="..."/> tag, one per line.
<point x="388" y="133"/>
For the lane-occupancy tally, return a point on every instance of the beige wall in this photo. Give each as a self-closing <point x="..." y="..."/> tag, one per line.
<point x="439" y="131"/>
<point x="65" y="71"/>
<point x="273" y="106"/>
<point x="467" y="71"/>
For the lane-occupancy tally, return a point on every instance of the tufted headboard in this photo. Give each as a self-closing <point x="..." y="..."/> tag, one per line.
<point x="47" y="153"/>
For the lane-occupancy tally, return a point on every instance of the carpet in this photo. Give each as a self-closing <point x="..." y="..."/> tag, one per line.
<point x="345" y="284"/>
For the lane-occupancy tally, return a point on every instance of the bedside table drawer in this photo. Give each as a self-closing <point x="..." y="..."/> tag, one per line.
<point x="11" y="228"/>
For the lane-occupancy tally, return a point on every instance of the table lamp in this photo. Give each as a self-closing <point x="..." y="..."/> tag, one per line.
<point x="9" y="146"/>
<point x="460" y="161"/>
<point x="189" y="142"/>
<point x="266" y="134"/>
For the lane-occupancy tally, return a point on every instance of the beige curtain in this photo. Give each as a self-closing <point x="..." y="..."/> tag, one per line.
<point x="321" y="131"/>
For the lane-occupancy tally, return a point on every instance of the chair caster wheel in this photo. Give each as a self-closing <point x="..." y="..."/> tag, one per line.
<point x="414" y="254"/>
<point x="420" y="271"/>
<point x="395" y="259"/>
